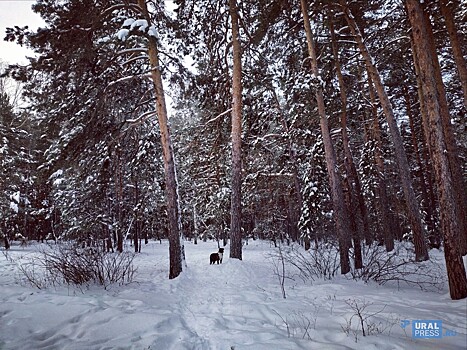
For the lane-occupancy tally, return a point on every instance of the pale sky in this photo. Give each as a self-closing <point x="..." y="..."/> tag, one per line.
<point x="19" y="13"/>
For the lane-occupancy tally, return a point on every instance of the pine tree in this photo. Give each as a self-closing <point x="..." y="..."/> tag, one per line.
<point x="421" y="252"/>
<point x="335" y="182"/>
<point x="449" y="215"/>
<point x="236" y="199"/>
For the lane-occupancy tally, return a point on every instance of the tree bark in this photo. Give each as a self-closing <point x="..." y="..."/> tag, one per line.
<point x="449" y="223"/>
<point x="427" y="147"/>
<point x="195" y="224"/>
<point x="136" y="239"/>
<point x="381" y="191"/>
<point x="236" y="198"/>
<point x="452" y="149"/>
<point x="413" y="210"/>
<point x="359" y="221"/>
<point x="340" y="214"/>
<point x="119" y="198"/>
<point x="448" y="14"/>
<point x="176" y="254"/>
<point x="428" y="208"/>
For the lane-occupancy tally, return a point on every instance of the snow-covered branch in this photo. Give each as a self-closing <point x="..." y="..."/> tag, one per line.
<point x="127" y="78"/>
<point x="133" y="50"/>
<point x="218" y="116"/>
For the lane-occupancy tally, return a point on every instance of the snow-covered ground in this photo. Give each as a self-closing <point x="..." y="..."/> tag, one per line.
<point x="236" y="305"/>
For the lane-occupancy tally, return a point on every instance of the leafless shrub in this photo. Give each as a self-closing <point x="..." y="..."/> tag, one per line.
<point x="7" y="256"/>
<point x="300" y="324"/>
<point x="72" y="264"/>
<point x="398" y="266"/>
<point x="81" y="266"/>
<point x="278" y="261"/>
<point x="33" y="273"/>
<point x="364" y="319"/>
<point x="321" y="261"/>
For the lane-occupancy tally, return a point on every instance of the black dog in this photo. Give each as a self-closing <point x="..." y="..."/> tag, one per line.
<point x="217" y="257"/>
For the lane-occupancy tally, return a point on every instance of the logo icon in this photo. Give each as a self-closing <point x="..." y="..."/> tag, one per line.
<point x="404" y="323"/>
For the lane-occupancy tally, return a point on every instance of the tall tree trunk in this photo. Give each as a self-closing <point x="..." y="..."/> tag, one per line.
<point x="426" y="145"/>
<point x="455" y="162"/>
<point x="236" y="199"/>
<point x="449" y="216"/>
<point x="429" y="209"/>
<point x="359" y="222"/>
<point x="340" y="214"/>
<point x="195" y="224"/>
<point x="381" y="190"/>
<point x="119" y="197"/>
<point x="176" y="253"/>
<point x="136" y="211"/>
<point x="448" y="14"/>
<point x="413" y="210"/>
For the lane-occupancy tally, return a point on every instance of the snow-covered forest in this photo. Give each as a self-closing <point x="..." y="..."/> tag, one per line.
<point x="322" y="144"/>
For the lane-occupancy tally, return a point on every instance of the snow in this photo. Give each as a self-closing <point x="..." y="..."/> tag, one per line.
<point x="123" y="34"/>
<point x="140" y="24"/>
<point x="14" y="206"/>
<point x="152" y="31"/>
<point x="235" y="305"/>
<point x="16" y="196"/>
<point x="128" y="22"/>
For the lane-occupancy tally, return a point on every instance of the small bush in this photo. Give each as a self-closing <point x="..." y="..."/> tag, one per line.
<point x="320" y="262"/>
<point x="71" y="264"/>
<point x="398" y="266"/>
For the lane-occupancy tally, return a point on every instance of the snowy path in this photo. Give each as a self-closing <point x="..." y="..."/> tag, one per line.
<point x="235" y="305"/>
<point x="222" y="303"/>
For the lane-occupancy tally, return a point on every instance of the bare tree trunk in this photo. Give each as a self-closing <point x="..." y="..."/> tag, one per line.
<point x="6" y="242"/>
<point x="427" y="146"/>
<point x="340" y="214"/>
<point x="452" y="149"/>
<point x="429" y="209"/>
<point x="136" y="211"/>
<point x="449" y="215"/>
<point x="448" y="14"/>
<point x="413" y="210"/>
<point x="359" y="222"/>
<point x="381" y="190"/>
<point x="236" y="199"/>
<point x="119" y="197"/>
<point x="176" y="254"/>
<point x="195" y="224"/>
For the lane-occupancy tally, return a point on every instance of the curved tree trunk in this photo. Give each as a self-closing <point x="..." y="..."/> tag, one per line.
<point x="413" y="210"/>
<point x="176" y="255"/>
<point x="236" y="199"/>
<point x="340" y="213"/>
<point x="449" y="215"/>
